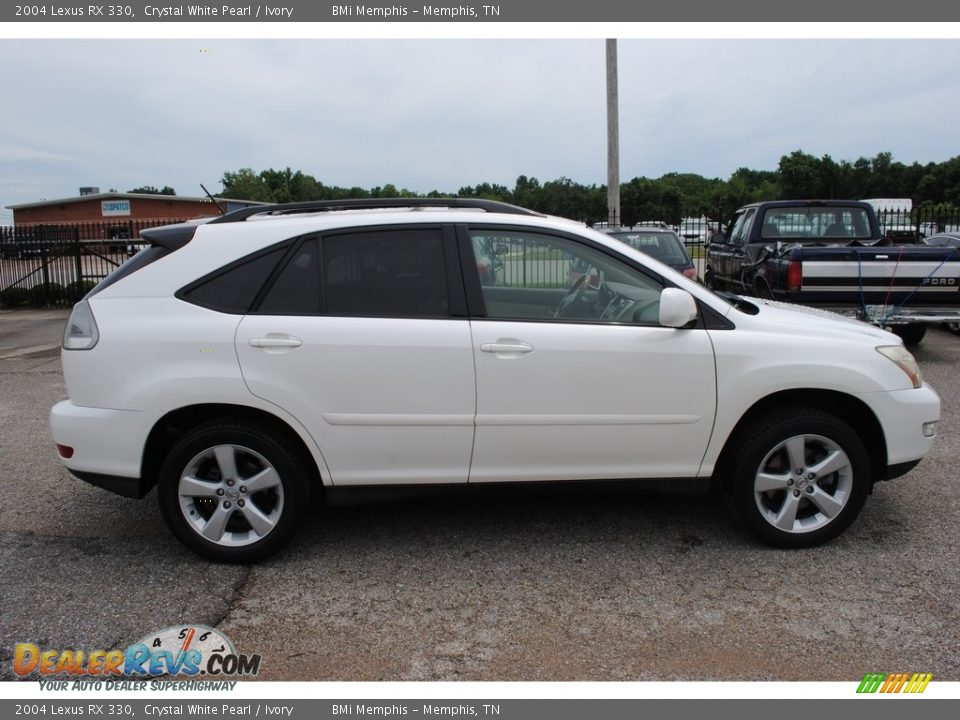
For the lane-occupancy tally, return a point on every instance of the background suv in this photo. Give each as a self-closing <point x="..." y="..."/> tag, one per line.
<point x="660" y="243"/>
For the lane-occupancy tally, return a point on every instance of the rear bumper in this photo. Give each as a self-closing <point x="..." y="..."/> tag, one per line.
<point x="128" y="487"/>
<point x="107" y="444"/>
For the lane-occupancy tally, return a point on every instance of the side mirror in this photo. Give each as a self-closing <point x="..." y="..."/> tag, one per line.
<point x="677" y="308"/>
<point x="502" y="249"/>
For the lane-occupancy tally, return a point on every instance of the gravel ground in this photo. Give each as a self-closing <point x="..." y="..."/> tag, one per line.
<point x="536" y="586"/>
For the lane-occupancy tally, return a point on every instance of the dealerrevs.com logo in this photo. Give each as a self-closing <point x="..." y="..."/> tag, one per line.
<point x="190" y="650"/>
<point x="911" y="683"/>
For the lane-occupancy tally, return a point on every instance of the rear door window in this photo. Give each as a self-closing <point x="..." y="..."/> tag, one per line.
<point x="381" y="272"/>
<point x="296" y="291"/>
<point x="385" y="272"/>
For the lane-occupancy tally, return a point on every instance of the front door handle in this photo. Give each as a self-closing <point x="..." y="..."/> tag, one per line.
<point x="276" y="341"/>
<point x="499" y="347"/>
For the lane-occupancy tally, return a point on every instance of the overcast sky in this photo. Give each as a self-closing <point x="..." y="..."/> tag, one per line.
<point x="441" y="114"/>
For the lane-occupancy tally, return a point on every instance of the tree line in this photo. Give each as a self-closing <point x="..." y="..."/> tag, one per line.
<point x="671" y="197"/>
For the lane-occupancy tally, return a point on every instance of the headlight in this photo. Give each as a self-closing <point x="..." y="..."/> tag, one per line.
<point x="904" y="360"/>
<point x="81" y="332"/>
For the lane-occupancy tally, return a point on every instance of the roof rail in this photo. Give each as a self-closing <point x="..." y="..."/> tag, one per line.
<point x="372" y="204"/>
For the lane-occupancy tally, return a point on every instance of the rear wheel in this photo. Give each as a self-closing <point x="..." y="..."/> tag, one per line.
<point x="233" y="492"/>
<point x="762" y="290"/>
<point x="800" y="477"/>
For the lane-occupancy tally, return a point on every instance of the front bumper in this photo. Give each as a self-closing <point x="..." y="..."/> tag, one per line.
<point x="898" y="470"/>
<point x="902" y="415"/>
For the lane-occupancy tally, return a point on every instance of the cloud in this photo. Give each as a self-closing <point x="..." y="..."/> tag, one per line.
<point x="10" y="153"/>
<point x="440" y="114"/>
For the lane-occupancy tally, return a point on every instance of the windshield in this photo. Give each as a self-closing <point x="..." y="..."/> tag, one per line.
<point x="664" y="247"/>
<point x="812" y="223"/>
<point x="895" y="218"/>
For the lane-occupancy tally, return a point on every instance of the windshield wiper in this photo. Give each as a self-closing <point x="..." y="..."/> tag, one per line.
<point x="738" y="301"/>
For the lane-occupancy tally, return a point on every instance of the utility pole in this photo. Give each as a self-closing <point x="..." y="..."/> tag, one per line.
<point x="613" y="137"/>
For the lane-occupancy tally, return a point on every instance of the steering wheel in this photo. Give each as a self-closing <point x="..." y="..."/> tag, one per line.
<point x="573" y="294"/>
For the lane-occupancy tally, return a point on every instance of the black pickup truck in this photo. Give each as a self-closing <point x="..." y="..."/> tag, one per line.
<point x="832" y="254"/>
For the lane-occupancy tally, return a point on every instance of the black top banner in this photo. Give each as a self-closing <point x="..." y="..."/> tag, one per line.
<point x="526" y="11"/>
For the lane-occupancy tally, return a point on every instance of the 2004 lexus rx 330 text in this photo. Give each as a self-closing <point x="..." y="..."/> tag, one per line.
<point x="242" y="364"/>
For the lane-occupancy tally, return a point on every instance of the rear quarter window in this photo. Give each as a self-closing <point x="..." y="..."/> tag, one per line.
<point x="233" y="288"/>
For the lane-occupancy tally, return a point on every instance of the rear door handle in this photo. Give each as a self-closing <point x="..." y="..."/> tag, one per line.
<point x="276" y="341"/>
<point x="517" y="347"/>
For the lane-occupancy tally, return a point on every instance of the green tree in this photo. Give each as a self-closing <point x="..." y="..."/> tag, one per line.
<point x="668" y="198"/>
<point x="527" y="192"/>
<point x="151" y="190"/>
<point x="799" y="176"/>
<point x="487" y="191"/>
<point x="244" y="184"/>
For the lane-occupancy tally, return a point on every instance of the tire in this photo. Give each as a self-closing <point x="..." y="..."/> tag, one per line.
<point x="794" y="510"/>
<point x="232" y="491"/>
<point x="762" y="290"/>
<point x="910" y="334"/>
<point x="708" y="281"/>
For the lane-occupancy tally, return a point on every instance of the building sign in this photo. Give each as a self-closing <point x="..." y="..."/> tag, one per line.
<point x="114" y="208"/>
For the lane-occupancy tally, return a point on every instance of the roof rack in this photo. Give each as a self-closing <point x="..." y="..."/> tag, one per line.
<point x="372" y="204"/>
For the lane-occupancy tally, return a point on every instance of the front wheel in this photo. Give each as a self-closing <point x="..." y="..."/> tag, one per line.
<point x="800" y="478"/>
<point x="233" y="492"/>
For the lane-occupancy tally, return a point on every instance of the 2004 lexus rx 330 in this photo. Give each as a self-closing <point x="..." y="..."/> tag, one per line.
<point x="242" y="364"/>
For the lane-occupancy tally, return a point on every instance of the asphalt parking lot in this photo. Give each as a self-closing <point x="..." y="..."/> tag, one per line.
<point x="535" y="587"/>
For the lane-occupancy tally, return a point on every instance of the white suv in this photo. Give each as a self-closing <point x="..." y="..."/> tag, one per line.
<point x="242" y="364"/>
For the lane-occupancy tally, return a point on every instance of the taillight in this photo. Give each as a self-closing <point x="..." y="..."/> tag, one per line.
<point x="795" y="275"/>
<point x="81" y="332"/>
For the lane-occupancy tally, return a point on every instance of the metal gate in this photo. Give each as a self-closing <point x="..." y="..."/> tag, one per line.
<point x="56" y="265"/>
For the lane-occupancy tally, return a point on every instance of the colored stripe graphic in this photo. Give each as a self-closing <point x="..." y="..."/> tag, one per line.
<point x="918" y="683"/>
<point x="871" y="682"/>
<point x="894" y="682"/>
